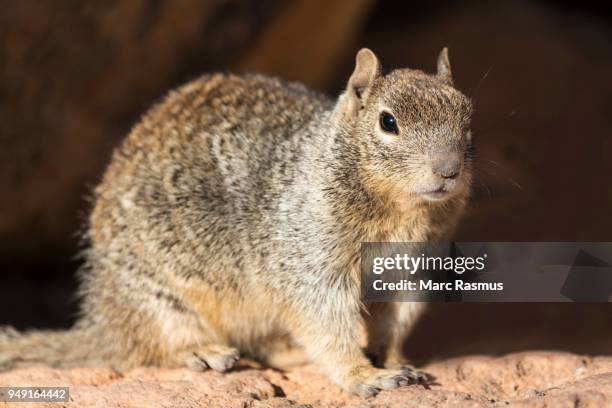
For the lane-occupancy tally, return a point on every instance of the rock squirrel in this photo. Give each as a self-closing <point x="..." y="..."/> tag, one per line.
<point x="229" y="223"/>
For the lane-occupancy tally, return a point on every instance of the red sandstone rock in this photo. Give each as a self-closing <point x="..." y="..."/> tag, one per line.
<point x="530" y="379"/>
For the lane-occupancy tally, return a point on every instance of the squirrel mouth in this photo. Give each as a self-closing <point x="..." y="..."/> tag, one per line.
<point x="435" y="195"/>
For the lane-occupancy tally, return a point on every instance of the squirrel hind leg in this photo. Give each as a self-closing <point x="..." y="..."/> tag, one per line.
<point x="283" y="359"/>
<point x="215" y="356"/>
<point x="282" y="353"/>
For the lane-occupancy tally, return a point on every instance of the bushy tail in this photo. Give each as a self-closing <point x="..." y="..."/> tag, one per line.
<point x="57" y="348"/>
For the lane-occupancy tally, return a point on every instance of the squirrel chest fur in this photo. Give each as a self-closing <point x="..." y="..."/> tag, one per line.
<point x="229" y="223"/>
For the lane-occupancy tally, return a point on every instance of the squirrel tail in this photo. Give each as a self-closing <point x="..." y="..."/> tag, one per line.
<point x="58" y="348"/>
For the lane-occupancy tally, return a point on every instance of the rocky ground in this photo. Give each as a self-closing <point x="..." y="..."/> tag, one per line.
<point x="529" y="379"/>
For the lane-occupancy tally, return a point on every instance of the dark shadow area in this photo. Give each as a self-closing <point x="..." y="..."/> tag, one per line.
<point x="452" y="330"/>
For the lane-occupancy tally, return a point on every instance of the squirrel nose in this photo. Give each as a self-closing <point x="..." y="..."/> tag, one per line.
<point x="446" y="165"/>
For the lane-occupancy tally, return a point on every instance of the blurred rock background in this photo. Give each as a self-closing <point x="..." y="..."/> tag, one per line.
<point x="75" y="76"/>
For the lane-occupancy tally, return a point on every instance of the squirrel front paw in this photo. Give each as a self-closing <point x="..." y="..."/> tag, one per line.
<point x="417" y="375"/>
<point x="368" y="381"/>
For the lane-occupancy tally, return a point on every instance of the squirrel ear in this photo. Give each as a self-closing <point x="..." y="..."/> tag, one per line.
<point x="367" y="69"/>
<point x="444" y="68"/>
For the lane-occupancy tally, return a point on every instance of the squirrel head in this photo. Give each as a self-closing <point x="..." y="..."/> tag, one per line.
<point x="410" y="130"/>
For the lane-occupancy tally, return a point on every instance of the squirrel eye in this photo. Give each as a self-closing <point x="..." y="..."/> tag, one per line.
<point x="388" y="123"/>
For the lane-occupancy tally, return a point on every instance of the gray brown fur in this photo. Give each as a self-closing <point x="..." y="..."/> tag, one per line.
<point x="230" y="221"/>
